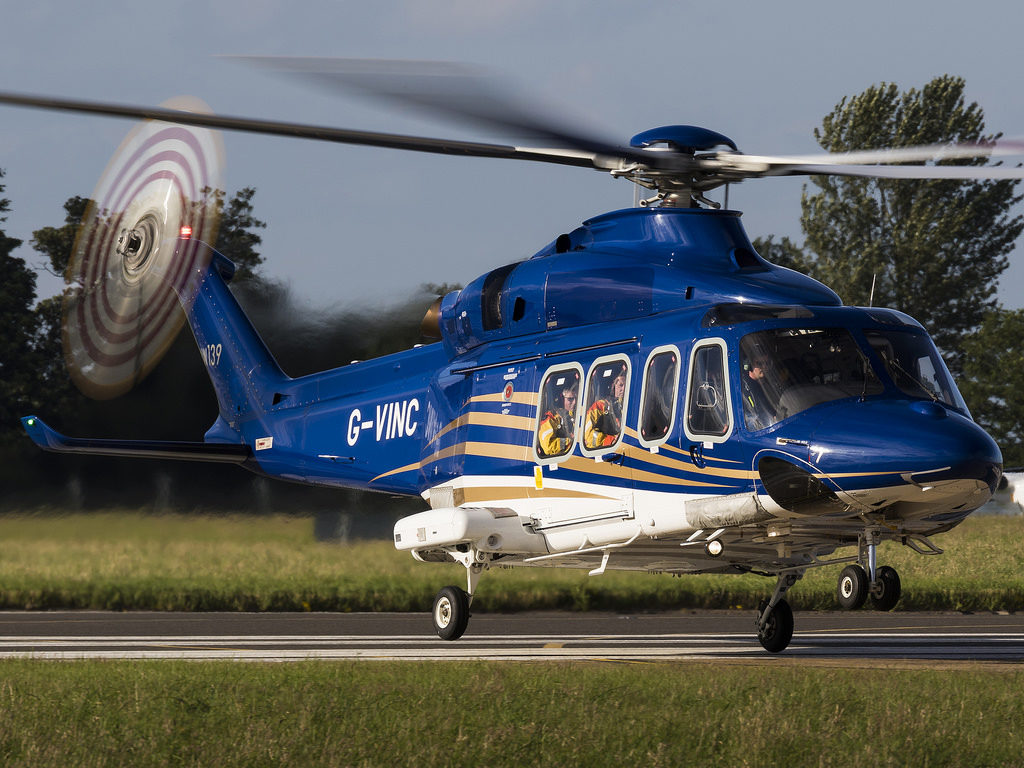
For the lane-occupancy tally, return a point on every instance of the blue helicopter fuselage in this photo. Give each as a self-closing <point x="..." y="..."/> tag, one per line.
<point x="463" y="416"/>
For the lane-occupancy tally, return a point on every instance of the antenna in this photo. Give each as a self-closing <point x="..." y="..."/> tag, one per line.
<point x="871" y="297"/>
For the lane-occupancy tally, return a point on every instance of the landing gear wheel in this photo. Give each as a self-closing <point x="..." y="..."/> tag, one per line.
<point x="853" y="587"/>
<point x="451" y="613"/>
<point x="778" y="630"/>
<point x="885" y="592"/>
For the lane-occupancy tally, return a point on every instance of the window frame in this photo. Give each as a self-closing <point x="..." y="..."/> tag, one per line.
<point x="599" y="362"/>
<point x="699" y="437"/>
<point x="663" y="349"/>
<point x="577" y="426"/>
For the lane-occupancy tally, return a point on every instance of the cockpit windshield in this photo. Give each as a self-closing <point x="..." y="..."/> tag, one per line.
<point x="914" y="365"/>
<point x="788" y="370"/>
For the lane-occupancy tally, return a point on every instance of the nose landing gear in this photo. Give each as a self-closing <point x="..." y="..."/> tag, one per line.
<point x="859" y="581"/>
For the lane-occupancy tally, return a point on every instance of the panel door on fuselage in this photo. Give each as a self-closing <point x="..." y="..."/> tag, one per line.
<point x="715" y="451"/>
<point x="581" y="439"/>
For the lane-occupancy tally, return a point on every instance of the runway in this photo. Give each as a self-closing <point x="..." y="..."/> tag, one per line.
<point x="862" y="635"/>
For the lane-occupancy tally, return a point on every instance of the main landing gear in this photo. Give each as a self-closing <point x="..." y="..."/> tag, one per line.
<point x="451" y="613"/>
<point x="451" y="606"/>
<point x="775" y="617"/>
<point x="863" y="579"/>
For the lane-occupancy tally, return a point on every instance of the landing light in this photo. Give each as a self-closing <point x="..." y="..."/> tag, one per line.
<point x="714" y="548"/>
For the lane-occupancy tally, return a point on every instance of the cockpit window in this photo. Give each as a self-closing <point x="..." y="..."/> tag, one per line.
<point x="788" y="370"/>
<point x="914" y="365"/>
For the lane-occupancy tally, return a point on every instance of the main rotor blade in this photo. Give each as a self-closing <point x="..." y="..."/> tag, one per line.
<point x="962" y="172"/>
<point x="572" y="157"/>
<point x="446" y="89"/>
<point x="925" y="153"/>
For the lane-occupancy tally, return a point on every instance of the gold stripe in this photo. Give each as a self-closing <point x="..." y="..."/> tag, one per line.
<point x="468" y="448"/>
<point x="459" y="422"/>
<point x="479" y="494"/>
<point x="593" y="467"/>
<point x="406" y="468"/>
<point x="820" y="475"/>
<point x="684" y="452"/>
<point x="488" y="420"/>
<point x="642" y="454"/>
<point x="523" y="398"/>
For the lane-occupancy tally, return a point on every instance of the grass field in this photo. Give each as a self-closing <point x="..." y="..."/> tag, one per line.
<point x="477" y="714"/>
<point x="134" y="561"/>
<point x="766" y="712"/>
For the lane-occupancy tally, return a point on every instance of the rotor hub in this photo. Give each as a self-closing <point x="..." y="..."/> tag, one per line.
<point x="138" y="246"/>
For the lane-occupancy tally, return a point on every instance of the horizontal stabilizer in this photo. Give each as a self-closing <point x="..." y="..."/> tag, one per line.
<point x="51" y="440"/>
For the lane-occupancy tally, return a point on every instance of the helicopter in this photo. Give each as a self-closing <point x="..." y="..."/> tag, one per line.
<point x="644" y="393"/>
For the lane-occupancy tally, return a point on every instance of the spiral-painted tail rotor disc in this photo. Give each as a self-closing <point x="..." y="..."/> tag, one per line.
<point x="121" y="310"/>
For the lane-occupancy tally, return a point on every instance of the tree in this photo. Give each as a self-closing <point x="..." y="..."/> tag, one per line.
<point x="785" y="253"/>
<point x="991" y="383"/>
<point x="934" y="249"/>
<point x="57" y="243"/>
<point x="237" y="238"/>
<point x="17" y="329"/>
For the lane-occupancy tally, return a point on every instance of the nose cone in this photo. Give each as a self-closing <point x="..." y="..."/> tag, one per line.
<point x="879" y="453"/>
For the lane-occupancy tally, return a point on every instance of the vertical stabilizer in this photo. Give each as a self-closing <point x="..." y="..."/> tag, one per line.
<point x="244" y="373"/>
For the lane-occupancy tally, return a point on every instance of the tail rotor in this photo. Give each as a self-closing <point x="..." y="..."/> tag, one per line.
<point x="121" y="311"/>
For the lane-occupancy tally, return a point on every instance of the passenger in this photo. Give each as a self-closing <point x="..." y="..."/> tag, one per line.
<point x="558" y="427"/>
<point x="604" y="416"/>
<point x="758" y="408"/>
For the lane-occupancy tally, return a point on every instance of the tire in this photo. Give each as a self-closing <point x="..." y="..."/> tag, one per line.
<point x="852" y="589"/>
<point x="886" y="590"/>
<point x="778" y="631"/>
<point x="451" y="613"/>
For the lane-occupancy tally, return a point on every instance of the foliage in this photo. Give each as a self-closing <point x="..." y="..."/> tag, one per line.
<point x="57" y="243"/>
<point x="934" y="249"/>
<point x="17" y="329"/>
<point x="992" y="381"/>
<point x="784" y="253"/>
<point x="237" y="237"/>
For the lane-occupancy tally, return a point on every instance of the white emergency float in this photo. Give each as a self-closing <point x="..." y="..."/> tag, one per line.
<point x="485" y="529"/>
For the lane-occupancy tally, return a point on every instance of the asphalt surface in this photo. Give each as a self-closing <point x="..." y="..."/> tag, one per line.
<point x="827" y="636"/>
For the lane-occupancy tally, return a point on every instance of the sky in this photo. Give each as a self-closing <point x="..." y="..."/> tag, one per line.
<point x="358" y="226"/>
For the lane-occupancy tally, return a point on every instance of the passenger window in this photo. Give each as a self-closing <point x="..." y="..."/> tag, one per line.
<point x="707" y="406"/>
<point x="606" y="404"/>
<point x="556" y="429"/>
<point x="658" y="401"/>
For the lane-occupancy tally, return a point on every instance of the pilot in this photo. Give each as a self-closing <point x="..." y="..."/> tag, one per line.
<point x="558" y="427"/>
<point x="604" y="416"/>
<point x="758" y="410"/>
